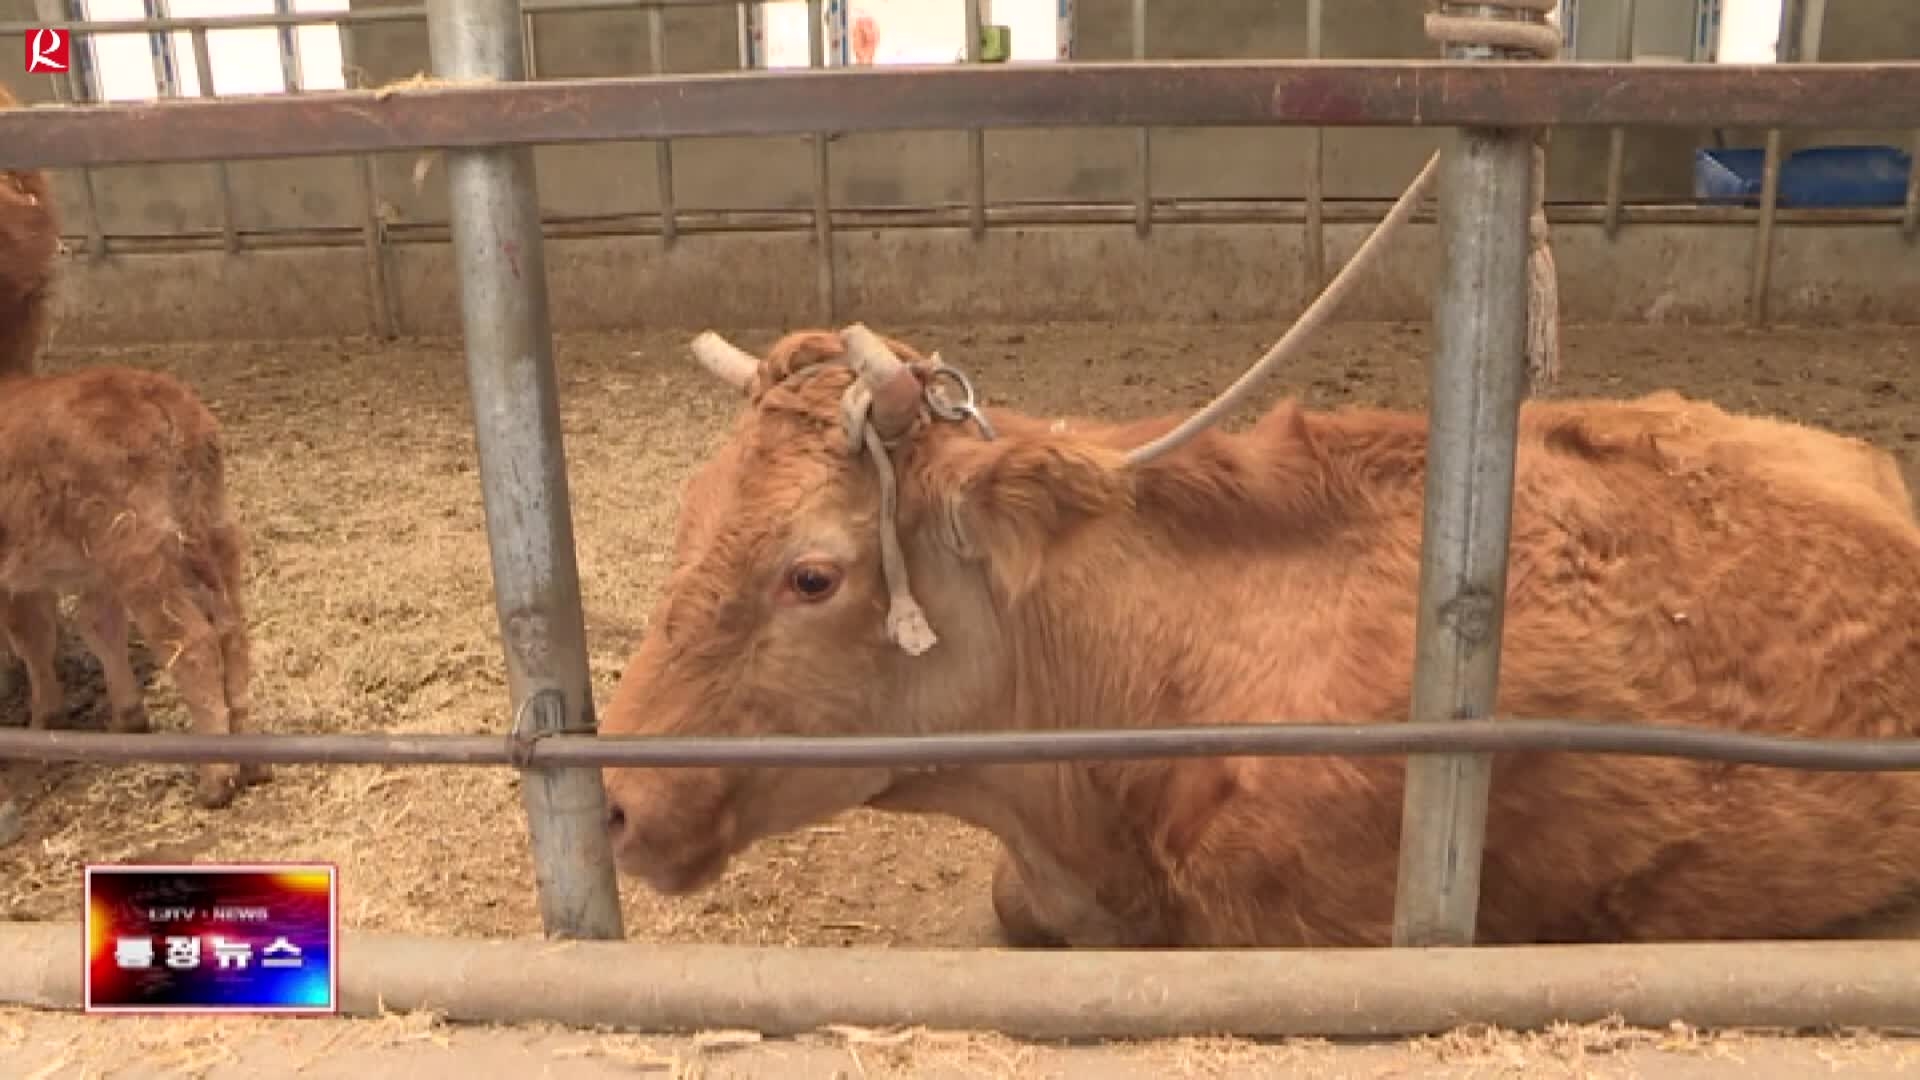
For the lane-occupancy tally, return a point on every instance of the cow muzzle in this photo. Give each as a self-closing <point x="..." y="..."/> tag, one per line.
<point x="677" y="843"/>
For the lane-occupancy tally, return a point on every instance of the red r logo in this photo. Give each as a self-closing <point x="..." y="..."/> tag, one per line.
<point x="47" y="51"/>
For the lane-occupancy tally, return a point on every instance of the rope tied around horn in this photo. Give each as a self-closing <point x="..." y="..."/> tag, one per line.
<point x="878" y="406"/>
<point x="1529" y="27"/>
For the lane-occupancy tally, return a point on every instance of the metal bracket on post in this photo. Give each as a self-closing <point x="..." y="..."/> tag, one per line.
<point x="542" y="714"/>
<point x="1479" y="377"/>
<point x="499" y="250"/>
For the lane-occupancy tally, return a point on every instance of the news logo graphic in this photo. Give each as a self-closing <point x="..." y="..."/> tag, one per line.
<point x="212" y="938"/>
<point x="48" y="51"/>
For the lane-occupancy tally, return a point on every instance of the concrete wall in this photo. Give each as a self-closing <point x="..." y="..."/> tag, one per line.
<point x="923" y="169"/>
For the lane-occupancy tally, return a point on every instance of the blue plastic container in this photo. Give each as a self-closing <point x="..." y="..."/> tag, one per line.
<point x="1820" y="176"/>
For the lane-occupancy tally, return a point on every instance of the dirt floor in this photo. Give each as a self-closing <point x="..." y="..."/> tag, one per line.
<point x="43" y="1046"/>
<point x="354" y="470"/>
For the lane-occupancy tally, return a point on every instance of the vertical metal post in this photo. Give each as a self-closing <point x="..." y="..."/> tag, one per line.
<point x="529" y="50"/>
<point x="71" y="90"/>
<point x="749" y="27"/>
<point x="822" y="177"/>
<point x="1910" y="224"/>
<point x="1143" y="147"/>
<point x="290" y="71"/>
<point x="662" y="150"/>
<point x="373" y="229"/>
<point x="166" y="82"/>
<point x="1478" y="378"/>
<point x="1705" y="45"/>
<point x="202" y="61"/>
<point x="1813" y="24"/>
<point x="222" y="178"/>
<point x="1316" y="236"/>
<point x="498" y="248"/>
<point x="976" y="138"/>
<point x="1761" y="282"/>
<point x="1617" y="138"/>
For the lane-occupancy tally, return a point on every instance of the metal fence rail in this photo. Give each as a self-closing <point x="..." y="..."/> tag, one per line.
<point x="350" y="17"/>
<point x="1281" y="93"/>
<point x="1289" y="739"/>
<point x="1801" y="33"/>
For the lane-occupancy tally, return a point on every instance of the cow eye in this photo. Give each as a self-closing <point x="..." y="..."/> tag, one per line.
<point x="814" y="581"/>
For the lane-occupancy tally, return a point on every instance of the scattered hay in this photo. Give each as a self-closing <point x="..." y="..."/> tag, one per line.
<point x="1571" y="1047"/>
<point x="61" y="1045"/>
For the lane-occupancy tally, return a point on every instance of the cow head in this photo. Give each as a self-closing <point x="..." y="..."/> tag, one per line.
<point x="778" y="616"/>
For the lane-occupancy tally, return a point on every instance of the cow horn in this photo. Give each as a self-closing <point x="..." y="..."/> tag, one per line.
<point x="896" y="391"/>
<point x="731" y="363"/>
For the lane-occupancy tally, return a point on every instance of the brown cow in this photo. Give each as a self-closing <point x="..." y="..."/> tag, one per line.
<point x="1667" y="565"/>
<point x="29" y="241"/>
<point x="1782" y="444"/>
<point x="112" y="486"/>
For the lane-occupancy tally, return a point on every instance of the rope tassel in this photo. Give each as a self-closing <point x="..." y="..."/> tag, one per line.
<point x="1543" y="286"/>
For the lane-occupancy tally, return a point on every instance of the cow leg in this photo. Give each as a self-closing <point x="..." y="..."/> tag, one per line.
<point x="228" y="615"/>
<point x="103" y="625"/>
<point x="9" y="668"/>
<point x="1019" y="923"/>
<point x="167" y="611"/>
<point x="30" y="634"/>
<point x="30" y="620"/>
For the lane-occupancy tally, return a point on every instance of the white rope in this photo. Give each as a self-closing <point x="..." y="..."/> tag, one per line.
<point x="1518" y="33"/>
<point x="1303" y="327"/>
<point x="907" y="624"/>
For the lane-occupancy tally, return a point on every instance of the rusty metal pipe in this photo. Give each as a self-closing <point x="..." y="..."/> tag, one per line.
<point x="1298" y="93"/>
<point x="1280" y="739"/>
<point x="1080" y="994"/>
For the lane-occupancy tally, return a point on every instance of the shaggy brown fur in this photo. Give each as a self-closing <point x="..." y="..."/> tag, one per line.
<point x="29" y="241"/>
<point x="112" y="487"/>
<point x="1670" y="563"/>
<point x="114" y="490"/>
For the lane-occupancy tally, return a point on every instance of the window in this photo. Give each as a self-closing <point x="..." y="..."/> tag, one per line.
<point x="1748" y="32"/>
<point x="900" y="31"/>
<point x="252" y="60"/>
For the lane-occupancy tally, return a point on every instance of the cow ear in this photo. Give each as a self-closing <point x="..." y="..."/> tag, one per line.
<point x="1194" y="794"/>
<point x="1006" y="502"/>
<point x="1175" y="803"/>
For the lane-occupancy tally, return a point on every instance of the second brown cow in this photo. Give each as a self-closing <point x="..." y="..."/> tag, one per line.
<point x="112" y="489"/>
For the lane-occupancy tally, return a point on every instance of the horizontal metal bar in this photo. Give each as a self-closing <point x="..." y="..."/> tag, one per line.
<point x="1084" y="995"/>
<point x="982" y="748"/>
<point x="1411" y="93"/>
<point x="354" y="17"/>
<point x="727" y="222"/>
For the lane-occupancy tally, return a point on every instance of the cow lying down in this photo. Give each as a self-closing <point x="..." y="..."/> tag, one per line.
<point x="1671" y="563"/>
